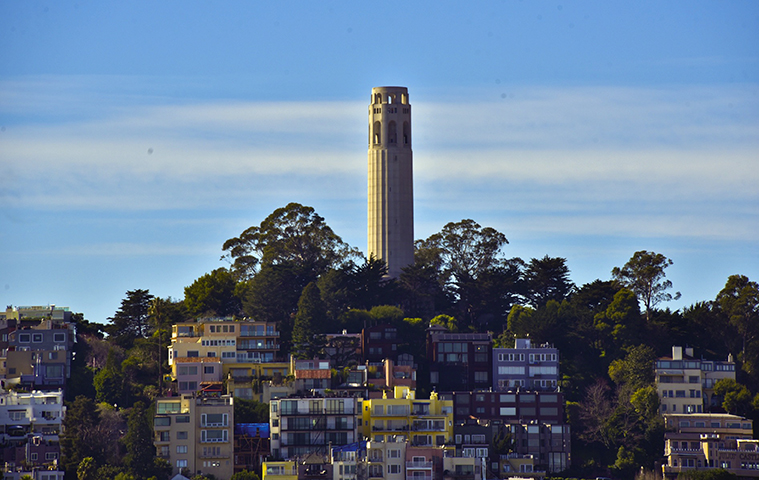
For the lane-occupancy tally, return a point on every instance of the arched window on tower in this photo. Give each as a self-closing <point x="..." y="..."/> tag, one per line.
<point x="378" y="98"/>
<point x="390" y="98"/>
<point x="406" y="133"/>
<point x="404" y="98"/>
<point x="377" y="133"/>
<point x="392" y="133"/>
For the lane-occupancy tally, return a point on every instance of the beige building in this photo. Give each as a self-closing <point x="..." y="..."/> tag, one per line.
<point x="195" y="434"/>
<point x="704" y="441"/>
<point x="390" y="215"/>
<point x="686" y="384"/>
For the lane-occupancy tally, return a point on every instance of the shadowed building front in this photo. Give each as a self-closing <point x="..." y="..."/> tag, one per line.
<point x="391" y="193"/>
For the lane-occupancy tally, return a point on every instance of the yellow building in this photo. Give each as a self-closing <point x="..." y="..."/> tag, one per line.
<point x="283" y="470"/>
<point x="420" y="421"/>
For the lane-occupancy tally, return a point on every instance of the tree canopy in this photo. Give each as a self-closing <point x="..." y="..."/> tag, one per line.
<point x="644" y="275"/>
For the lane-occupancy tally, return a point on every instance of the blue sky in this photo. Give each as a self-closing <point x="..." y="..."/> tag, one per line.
<point x="135" y="137"/>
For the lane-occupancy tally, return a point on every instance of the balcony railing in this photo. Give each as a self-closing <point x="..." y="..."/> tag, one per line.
<point x="425" y="465"/>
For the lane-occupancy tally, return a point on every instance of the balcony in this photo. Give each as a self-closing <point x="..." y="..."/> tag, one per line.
<point x="419" y="465"/>
<point x="418" y="477"/>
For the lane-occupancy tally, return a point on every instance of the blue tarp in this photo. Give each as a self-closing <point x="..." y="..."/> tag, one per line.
<point x="252" y="429"/>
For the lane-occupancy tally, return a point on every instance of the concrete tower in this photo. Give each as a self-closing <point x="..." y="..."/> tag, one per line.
<point x="391" y="190"/>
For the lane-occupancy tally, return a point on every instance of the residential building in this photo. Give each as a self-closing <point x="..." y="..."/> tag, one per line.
<point x="348" y="461"/>
<point x="550" y="445"/>
<point x="30" y="425"/>
<point x="421" y="421"/>
<point x="39" y="352"/>
<point x="279" y="470"/>
<point x="710" y="441"/>
<point x="309" y="424"/>
<point x="386" y="459"/>
<point x="246" y="349"/>
<point x="195" y="434"/>
<point x="518" y="406"/>
<point x="379" y="342"/>
<point x="526" y="366"/>
<point x="459" y="361"/>
<point x="686" y="384"/>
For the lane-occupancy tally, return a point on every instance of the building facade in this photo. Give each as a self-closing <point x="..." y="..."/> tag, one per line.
<point x="390" y="212"/>
<point x="195" y="434"/>
<point x="30" y="428"/>
<point x="686" y="384"/>
<point x="303" y="425"/>
<point x="710" y="441"/>
<point x="526" y="366"/>
<point x="420" y="421"/>
<point x="459" y="361"/>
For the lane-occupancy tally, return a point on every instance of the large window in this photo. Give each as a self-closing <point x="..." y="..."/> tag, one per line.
<point x="214" y="420"/>
<point x="168" y="407"/>
<point x="210" y="436"/>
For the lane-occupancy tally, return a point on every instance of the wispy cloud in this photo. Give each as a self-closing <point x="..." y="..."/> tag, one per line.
<point x="577" y="153"/>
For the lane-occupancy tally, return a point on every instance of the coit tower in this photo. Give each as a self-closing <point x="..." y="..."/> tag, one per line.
<point x="391" y="192"/>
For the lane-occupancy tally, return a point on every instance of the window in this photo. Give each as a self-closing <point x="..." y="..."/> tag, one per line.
<point x="192" y="353"/>
<point x="37" y="338"/>
<point x="393" y="468"/>
<point x="59" y="337"/>
<point x="51" y="456"/>
<point x="162" y="421"/>
<point x="209" y="369"/>
<point x="208" y="436"/>
<point x="214" y="420"/>
<point x="181" y="463"/>
<point x="183" y="419"/>
<point x="182" y="435"/>
<point x="163" y="436"/>
<point x="52" y="355"/>
<point x="24" y="338"/>
<point x="181" y="448"/>
<point x="481" y="377"/>
<point x="168" y="407"/>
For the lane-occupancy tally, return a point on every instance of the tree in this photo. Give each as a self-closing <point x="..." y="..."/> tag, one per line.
<point x="463" y="254"/>
<point x="644" y="275"/>
<point x="80" y="438"/>
<point x="139" y="443"/>
<point x="213" y="294"/>
<point x="636" y="370"/>
<point x="620" y="326"/>
<point x="736" y="399"/>
<point x="547" y="279"/>
<point x="87" y="469"/>
<point x="109" y="381"/>
<point x="251" y="411"/>
<point x="294" y="233"/>
<point x="739" y="302"/>
<point x="307" y="338"/>
<point x="245" y="475"/>
<point x="131" y="320"/>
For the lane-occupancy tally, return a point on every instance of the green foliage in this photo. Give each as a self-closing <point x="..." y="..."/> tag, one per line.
<point x="386" y="314"/>
<point x="636" y="370"/>
<point x="251" y="411"/>
<point x="707" y="474"/>
<point x="213" y="294"/>
<point x="736" y="398"/>
<point x="446" y="321"/>
<point x="81" y="437"/>
<point x="139" y="443"/>
<point x="644" y="275"/>
<point x="245" y="475"/>
<point x="109" y="382"/>
<point x="87" y="469"/>
<point x="131" y="320"/>
<point x="620" y="326"/>
<point x="292" y="234"/>
<point x="125" y="476"/>
<point x="519" y="321"/>
<point x="308" y="340"/>
<point x="547" y="279"/>
<point x="739" y="302"/>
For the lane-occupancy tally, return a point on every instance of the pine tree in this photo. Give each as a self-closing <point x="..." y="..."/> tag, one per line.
<point x="307" y="338"/>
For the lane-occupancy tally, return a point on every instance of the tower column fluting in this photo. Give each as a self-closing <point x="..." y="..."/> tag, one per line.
<point x="390" y="216"/>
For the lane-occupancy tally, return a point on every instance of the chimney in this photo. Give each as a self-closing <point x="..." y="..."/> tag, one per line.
<point x="689" y="351"/>
<point x="677" y="353"/>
